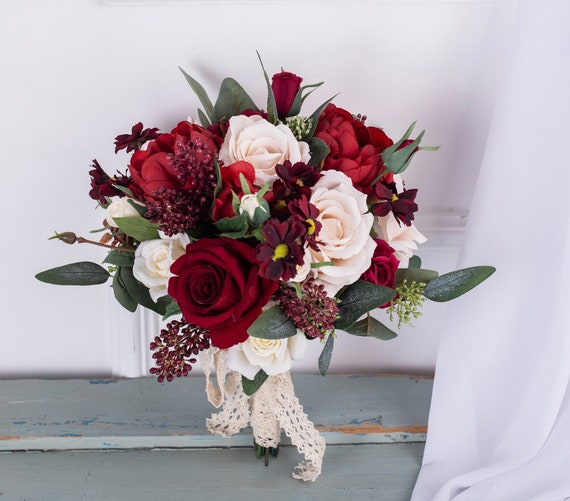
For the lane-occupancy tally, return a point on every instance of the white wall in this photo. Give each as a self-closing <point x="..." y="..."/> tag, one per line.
<point x="75" y="73"/>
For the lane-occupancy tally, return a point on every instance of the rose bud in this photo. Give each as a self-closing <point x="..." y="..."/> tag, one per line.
<point x="285" y="87"/>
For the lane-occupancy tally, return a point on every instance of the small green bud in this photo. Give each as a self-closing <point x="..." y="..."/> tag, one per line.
<point x="299" y="126"/>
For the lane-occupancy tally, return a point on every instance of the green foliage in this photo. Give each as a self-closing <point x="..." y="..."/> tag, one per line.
<point x="319" y="151"/>
<point x="408" y="302"/>
<point x="205" y="118"/>
<point x="125" y="284"/>
<point x="415" y="262"/>
<point x="81" y="273"/>
<point x="139" y="228"/>
<point x="232" y="227"/>
<point x="250" y="386"/>
<point x="271" y="104"/>
<point x="359" y="298"/>
<point x="456" y="283"/>
<point x="120" y="258"/>
<point x="232" y="100"/>
<point x="415" y="275"/>
<point x="371" y="327"/>
<point x="326" y="355"/>
<point x="272" y="324"/>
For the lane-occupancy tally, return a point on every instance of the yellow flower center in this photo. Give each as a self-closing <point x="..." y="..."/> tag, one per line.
<point x="394" y="197"/>
<point x="312" y="226"/>
<point x="281" y="251"/>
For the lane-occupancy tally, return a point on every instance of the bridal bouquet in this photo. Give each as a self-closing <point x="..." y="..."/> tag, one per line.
<point x="261" y="229"/>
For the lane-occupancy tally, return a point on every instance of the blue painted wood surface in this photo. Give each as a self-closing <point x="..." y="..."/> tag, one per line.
<point x="137" y="439"/>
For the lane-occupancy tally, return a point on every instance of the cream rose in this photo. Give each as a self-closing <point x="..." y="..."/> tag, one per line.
<point x="262" y="144"/>
<point x="120" y="207"/>
<point x="344" y="239"/>
<point x="274" y="356"/>
<point x="403" y="239"/>
<point x="153" y="259"/>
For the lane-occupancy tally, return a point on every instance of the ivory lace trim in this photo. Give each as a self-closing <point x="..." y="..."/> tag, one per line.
<point x="272" y="408"/>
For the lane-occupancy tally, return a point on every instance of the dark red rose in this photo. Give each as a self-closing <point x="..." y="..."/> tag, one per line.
<point x="383" y="267"/>
<point x="153" y="168"/>
<point x="285" y="86"/>
<point x="217" y="285"/>
<point x="231" y="183"/>
<point x="354" y="148"/>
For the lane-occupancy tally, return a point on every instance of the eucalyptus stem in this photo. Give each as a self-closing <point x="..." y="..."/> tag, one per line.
<point x="69" y="237"/>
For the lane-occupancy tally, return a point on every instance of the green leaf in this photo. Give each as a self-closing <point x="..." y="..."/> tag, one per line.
<point x="202" y="96"/>
<point x="319" y="151"/>
<point x="81" y="273"/>
<point x="371" y="327"/>
<point x="456" y="283"/>
<point x="204" y="122"/>
<point x="141" y="209"/>
<point x="250" y="386"/>
<point x="139" y="292"/>
<point x="272" y="324"/>
<point x="397" y="159"/>
<point x="300" y="98"/>
<point x="123" y="189"/>
<point x="358" y="299"/>
<point x="315" y="118"/>
<point x="232" y="227"/>
<point x="271" y="104"/>
<point x="326" y="355"/>
<point x="139" y="228"/>
<point x="232" y="100"/>
<point x="415" y="275"/>
<point x="172" y="309"/>
<point x="122" y="295"/>
<point x="120" y="258"/>
<point x="415" y="262"/>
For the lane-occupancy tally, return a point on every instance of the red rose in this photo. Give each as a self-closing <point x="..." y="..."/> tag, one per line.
<point x="383" y="267"/>
<point x="285" y="86"/>
<point x="354" y="148"/>
<point x="231" y="183"/>
<point x="151" y="169"/>
<point x="217" y="286"/>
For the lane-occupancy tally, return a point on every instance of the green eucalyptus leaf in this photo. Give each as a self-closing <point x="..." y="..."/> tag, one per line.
<point x="315" y="118"/>
<point x="81" y="273"/>
<point x="359" y="298"/>
<point x="202" y="96"/>
<point x="172" y="309"/>
<point x="415" y="275"/>
<point x="232" y="100"/>
<point x="123" y="189"/>
<point x="271" y="104"/>
<point x="319" y="151"/>
<point x="250" y="386"/>
<point x="140" y="208"/>
<point x="139" y="292"/>
<point x="397" y="158"/>
<point x="232" y="227"/>
<point x="456" y="283"/>
<point x="139" y="228"/>
<point x="326" y="355"/>
<point x="120" y="258"/>
<point x="300" y="98"/>
<point x="272" y="324"/>
<point x="122" y="295"/>
<point x="415" y="262"/>
<point x="371" y="327"/>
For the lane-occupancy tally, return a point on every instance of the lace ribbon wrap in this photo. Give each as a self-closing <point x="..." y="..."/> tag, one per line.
<point x="271" y="408"/>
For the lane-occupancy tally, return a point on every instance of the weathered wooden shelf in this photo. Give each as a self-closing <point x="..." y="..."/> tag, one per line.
<point x="137" y="439"/>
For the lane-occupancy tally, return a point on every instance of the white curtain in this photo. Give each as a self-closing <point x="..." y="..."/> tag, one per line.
<point x="499" y="426"/>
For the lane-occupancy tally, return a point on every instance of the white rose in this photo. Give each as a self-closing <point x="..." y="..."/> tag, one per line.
<point x="274" y="356"/>
<point x="120" y="207"/>
<point x="344" y="238"/>
<point x="403" y="239"/>
<point x="153" y="259"/>
<point x="262" y="144"/>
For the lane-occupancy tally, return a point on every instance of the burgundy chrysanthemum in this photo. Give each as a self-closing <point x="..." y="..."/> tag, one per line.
<point x="176" y="348"/>
<point x="307" y="213"/>
<point x="179" y="209"/>
<point x="314" y="313"/>
<point x="401" y="204"/>
<point x="281" y="253"/>
<point x="298" y="175"/>
<point x="103" y="186"/>
<point x="135" y="140"/>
